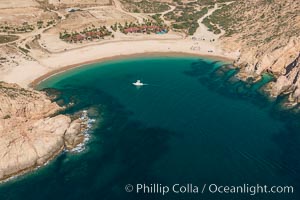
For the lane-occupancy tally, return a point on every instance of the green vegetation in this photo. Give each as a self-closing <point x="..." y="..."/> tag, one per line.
<point x="6" y="117"/>
<point x="148" y="26"/>
<point x="269" y="1"/>
<point x="186" y="15"/>
<point x="211" y="2"/>
<point x="211" y="27"/>
<point x="157" y="18"/>
<point x="183" y="18"/>
<point x="27" y="46"/>
<point x="89" y="33"/>
<point x="24" y="50"/>
<point x="269" y="39"/>
<point x="8" y="38"/>
<point x="221" y="18"/>
<point x="114" y="27"/>
<point x="236" y="18"/>
<point x="40" y="24"/>
<point x="51" y="22"/>
<point x="186" y="18"/>
<point x="145" y="6"/>
<point x="9" y="28"/>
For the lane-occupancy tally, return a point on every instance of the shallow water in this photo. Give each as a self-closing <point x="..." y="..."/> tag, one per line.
<point x="193" y="123"/>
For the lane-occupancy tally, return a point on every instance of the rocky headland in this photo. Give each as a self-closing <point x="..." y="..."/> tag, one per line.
<point x="31" y="131"/>
<point x="267" y="35"/>
<point x="283" y="63"/>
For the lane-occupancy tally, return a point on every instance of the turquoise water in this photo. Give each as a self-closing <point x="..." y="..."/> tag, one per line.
<point x="193" y="123"/>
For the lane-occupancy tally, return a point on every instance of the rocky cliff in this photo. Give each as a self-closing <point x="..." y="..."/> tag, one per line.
<point x="30" y="130"/>
<point x="282" y="62"/>
<point x="267" y="34"/>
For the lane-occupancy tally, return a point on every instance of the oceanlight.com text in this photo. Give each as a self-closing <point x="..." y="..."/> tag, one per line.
<point x="246" y="189"/>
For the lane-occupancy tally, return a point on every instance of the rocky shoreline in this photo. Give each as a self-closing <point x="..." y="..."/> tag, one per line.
<point x="284" y="66"/>
<point x="31" y="130"/>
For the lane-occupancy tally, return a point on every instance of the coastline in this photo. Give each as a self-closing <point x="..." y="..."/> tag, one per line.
<point x="246" y="69"/>
<point x="32" y="168"/>
<point x="28" y="73"/>
<point x="54" y="72"/>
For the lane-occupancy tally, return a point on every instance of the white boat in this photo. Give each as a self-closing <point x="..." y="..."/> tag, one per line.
<point x="138" y="83"/>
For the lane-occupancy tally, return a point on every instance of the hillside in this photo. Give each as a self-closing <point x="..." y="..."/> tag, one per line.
<point x="267" y="33"/>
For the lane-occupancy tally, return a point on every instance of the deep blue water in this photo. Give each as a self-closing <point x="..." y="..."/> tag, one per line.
<point x="194" y="123"/>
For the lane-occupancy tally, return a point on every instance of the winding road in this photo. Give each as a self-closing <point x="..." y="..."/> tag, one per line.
<point x="202" y="32"/>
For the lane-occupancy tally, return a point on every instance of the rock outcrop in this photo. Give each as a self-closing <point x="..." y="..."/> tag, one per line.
<point x="283" y="63"/>
<point x="267" y="34"/>
<point x="288" y="82"/>
<point x="73" y="137"/>
<point x="31" y="133"/>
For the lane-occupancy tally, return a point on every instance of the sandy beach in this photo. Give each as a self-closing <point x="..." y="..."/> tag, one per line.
<point x="50" y="55"/>
<point x="34" y="71"/>
<point x="40" y="79"/>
